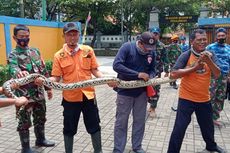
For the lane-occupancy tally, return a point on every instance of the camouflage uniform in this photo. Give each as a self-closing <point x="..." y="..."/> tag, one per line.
<point x="29" y="60"/>
<point x="217" y="91"/>
<point x="218" y="86"/>
<point x="161" y="66"/>
<point x="174" y="52"/>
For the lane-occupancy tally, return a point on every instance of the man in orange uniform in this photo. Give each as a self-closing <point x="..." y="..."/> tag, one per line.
<point x="195" y="68"/>
<point x="74" y="63"/>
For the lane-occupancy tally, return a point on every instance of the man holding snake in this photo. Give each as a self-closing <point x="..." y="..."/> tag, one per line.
<point x="134" y="61"/>
<point x="195" y="67"/>
<point x="74" y="63"/>
<point x="24" y="60"/>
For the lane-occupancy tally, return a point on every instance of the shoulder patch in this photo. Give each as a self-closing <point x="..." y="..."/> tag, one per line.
<point x="61" y="54"/>
<point x="86" y="51"/>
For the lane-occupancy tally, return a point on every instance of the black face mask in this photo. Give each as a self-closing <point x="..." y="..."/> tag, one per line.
<point x="23" y="42"/>
<point x="221" y="40"/>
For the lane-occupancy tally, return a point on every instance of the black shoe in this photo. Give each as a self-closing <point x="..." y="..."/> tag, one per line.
<point x="218" y="149"/>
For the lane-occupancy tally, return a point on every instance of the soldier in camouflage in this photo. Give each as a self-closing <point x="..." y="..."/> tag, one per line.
<point x="174" y="52"/>
<point x="161" y="66"/>
<point x="218" y="86"/>
<point x="24" y="60"/>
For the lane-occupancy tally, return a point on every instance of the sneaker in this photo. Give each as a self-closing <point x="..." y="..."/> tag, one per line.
<point x="138" y="151"/>
<point x="218" y="149"/>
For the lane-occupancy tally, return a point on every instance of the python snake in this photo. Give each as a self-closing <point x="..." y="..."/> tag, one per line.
<point x="7" y="86"/>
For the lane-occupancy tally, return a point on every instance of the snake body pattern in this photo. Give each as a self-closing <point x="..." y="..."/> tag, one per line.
<point x="92" y="82"/>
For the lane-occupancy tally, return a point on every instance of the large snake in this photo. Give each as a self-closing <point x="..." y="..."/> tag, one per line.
<point x="7" y="86"/>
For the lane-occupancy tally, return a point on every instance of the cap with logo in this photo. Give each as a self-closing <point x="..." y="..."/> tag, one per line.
<point x="148" y="40"/>
<point x="71" y="26"/>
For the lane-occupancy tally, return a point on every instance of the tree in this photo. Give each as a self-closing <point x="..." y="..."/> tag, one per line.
<point x="136" y="12"/>
<point x="77" y="10"/>
<point x="218" y="7"/>
<point x="10" y="8"/>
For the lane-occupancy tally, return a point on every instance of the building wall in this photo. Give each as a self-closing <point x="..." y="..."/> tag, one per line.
<point x="2" y="45"/>
<point x="44" y="35"/>
<point x="47" y="40"/>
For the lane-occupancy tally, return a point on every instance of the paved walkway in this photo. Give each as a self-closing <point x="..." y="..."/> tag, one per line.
<point x="156" y="136"/>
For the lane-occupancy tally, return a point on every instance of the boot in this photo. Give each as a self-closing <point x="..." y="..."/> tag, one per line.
<point x="68" y="140"/>
<point x="96" y="141"/>
<point x="25" y="141"/>
<point x="40" y="137"/>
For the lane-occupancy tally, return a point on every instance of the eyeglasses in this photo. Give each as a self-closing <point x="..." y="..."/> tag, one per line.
<point x="155" y="33"/>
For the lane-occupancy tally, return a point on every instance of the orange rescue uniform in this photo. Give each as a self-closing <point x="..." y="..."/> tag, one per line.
<point x="195" y="86"/>
<point x="74" y="69"/>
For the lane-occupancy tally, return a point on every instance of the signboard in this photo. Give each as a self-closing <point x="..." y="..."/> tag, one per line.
<point x="222" y="25"/>
<point x="215" y="26"/>
<point x="179" y="19"/>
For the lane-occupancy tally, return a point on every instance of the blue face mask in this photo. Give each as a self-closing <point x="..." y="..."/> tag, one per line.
<point x="23" y="42"/>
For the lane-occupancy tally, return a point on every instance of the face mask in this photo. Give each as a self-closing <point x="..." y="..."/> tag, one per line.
<point x="221" y="40"/>
<point x="23" y="42"/>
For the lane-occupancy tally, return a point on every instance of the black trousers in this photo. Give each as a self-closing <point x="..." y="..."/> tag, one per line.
<point x="72" y="112"/>
<point x="203" y="113"/>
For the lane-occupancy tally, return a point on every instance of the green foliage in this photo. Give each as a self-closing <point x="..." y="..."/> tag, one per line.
<point x="136" y="12"/>
<point x="4" y="73"/>
<point x="10" y="8"/>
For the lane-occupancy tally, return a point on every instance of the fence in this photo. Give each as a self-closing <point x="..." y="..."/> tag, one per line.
<point x="108" y="41"/>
